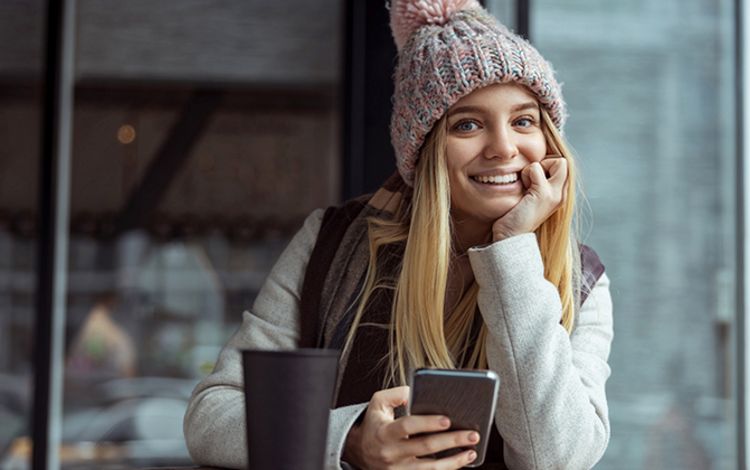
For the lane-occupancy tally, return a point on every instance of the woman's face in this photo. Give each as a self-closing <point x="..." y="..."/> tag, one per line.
<point x="493" y="133"/>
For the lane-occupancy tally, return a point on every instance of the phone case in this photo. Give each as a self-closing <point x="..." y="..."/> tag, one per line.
<point x="467" y="397"/>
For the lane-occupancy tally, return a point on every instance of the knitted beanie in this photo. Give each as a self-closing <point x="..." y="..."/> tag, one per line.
<point x="446" y="50"/>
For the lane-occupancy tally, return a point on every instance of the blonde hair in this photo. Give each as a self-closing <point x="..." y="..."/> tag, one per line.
<point x="419" y="334"/>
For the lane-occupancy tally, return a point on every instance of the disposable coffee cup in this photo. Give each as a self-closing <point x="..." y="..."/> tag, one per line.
<point x="288" y="398"/>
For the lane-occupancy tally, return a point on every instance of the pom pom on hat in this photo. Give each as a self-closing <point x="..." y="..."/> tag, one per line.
<point x="408" y="15"/>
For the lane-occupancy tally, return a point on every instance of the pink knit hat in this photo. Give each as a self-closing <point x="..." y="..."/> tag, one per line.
<point x="446" y="50"/>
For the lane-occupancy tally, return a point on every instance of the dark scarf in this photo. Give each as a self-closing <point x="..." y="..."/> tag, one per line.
<point x="334" y="277"/>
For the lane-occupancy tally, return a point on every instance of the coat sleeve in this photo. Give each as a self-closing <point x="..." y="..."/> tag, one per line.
<point x="552" y="409"/>
<point x="214" y="423"/>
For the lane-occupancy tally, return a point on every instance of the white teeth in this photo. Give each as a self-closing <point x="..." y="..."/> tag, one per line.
<point x="504" y="179"/>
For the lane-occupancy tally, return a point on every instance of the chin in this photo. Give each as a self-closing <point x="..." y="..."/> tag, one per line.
<point x="485" y="215"/>
<point x="483" y="210"/>
<point x="494" y="214"/>
<point x="495" y="209"/>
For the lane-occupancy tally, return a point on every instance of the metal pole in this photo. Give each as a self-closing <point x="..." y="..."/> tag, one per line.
<point x="523" y="18"/>
<point x="741" y="79"/>
<point x="52" y="254"/>
<point x="353" y="127"/>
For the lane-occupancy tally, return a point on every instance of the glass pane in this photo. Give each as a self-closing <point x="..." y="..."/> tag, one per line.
<point x="202" y="138"/>
<point x="21" y="51"/>
<point x="650" y="91"/>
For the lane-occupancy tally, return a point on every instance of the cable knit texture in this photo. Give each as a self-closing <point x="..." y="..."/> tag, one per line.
<point x="447" y="49"/>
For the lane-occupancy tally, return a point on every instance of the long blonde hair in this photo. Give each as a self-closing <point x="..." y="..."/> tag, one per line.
<point x="420" y="335"/>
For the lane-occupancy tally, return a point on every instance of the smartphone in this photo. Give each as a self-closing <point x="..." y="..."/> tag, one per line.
<point x="467" y="397"/>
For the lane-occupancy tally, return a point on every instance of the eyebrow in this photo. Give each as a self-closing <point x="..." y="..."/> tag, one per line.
<point x="525" y="106"/>
<point x="478" y="109"/>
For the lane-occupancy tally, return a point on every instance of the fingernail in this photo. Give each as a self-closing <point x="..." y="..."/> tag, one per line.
<point x="474" y="437"/>
<point x="445" y="422"/>
<point x="472" y="455"/>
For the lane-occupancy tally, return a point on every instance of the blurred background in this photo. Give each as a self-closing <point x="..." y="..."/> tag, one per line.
<point x="204" y="133"/>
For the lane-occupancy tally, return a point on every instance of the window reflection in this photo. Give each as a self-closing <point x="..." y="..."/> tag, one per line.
<point x="202" y="138"/>
<point x="651" y="96"/>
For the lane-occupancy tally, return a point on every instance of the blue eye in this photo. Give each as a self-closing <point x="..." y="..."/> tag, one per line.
<point x="524" y="122"/>
<point x="466" y="126"/>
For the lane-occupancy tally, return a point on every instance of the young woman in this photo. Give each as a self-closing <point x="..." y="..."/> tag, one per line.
<point x="466" y="258"/>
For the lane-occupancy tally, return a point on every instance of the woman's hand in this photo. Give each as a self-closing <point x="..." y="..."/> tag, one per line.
<point x="383" y="442"/>
<point x="543" y="197"/>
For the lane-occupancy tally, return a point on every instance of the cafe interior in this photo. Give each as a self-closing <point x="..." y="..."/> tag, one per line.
<point x="140" y="216"/>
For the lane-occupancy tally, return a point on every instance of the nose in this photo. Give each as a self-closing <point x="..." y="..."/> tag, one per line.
<point x="500" y="144"/>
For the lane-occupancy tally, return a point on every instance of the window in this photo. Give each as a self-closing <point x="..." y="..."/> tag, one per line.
<point x="650" y="88"/>
<point x="202" y="138"/>
<point x="21" y="40"/>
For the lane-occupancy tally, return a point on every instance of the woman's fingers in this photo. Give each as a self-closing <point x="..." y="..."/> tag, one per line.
<point x="542" y="197"/>
<point x="434" y="443"/>
<point x="557" y="168"/>
<point x="416" y="424"/>
<point x="448" y="463"/>
<point x="558" y="179"/>
<point x="553" y="169"/>
<point x="385" y="401"/>
<point x="555" y="172"/>
<point x="535" y="175"/>
<point x="401" y="441"/>
<point x="525" y="179"/>
<point x="385" y="442"/>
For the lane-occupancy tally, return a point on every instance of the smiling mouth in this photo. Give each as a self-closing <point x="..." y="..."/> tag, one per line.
<point x="496" y="180"/>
